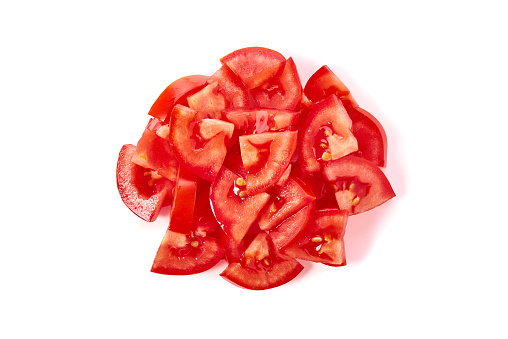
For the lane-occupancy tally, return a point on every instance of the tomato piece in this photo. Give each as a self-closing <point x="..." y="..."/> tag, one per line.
<point x="184" y="200"/>
<point x="327" y="135"/>
<point x="208" y="102"/>
<point x="174" y="93"/>
<point x="292" y="227"/>
<point x="231" y="87"/>
<point x="254" y="65"/>
<point x="265" y="157"/>
<point x="323" y="241"/>
<point x="370" y="134"/>
<point x="282" y="92"/>
<point x="359" y="184"/>
<point x="256" y="120"/>
<point x="324" y="83"/>
<point x="200" y="146"/>
<point x="284" y="202"/>
<point x="153" y="150"/>
<point x="234" y="210"/>
<point x="142" y="190"/>
<point x="204" y="222"/>
<point x="184" y="254"/>
<point x="261" y="266"/>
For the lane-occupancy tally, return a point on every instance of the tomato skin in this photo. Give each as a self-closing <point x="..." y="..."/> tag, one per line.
<point x="184" y="200"/>
<point x="254" y="65"/>
<point x="323" y="240"/>
<point x="177" y="90"/>
<point x="376" y="187"/>
<point x="128" y="176"/>
<point x="324" y="83"/>
<point x="205" y="160"/>
<point x="261" y="266"/>
<point x="234" y="214"/>
<point x="282" y="92"/>
<point x="181" y="254"/>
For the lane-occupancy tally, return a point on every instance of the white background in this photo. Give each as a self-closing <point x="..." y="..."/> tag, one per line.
<point x="77" y="80"/>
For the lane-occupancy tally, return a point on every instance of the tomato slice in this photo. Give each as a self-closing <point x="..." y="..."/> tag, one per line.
<point x="254" y="65"/>
<point x="324" y="83"/>
<point x="261" y="266"/>
<point x="323" y="241"/>
<point x="256" y="120"/>
<point x="327" y="135"/>
<point x="208" y="102"/>
<point x="200" y="146"/>
<point x="204" y="222"/>
<point x="184" y="254"/>
<point x="142" y="190"/>
<point x="265" y="157"/>
<point x="370" y="134"/>
<point x="292" y="227"/>
<point x="234" y="210"/>
<point x="282" y="92"/>
<point x="174" y="93"/>
<point x="184" y="200"/>
<point x="231" y="87"/>
<point x="285" y="201"/>
<point x="153" y="150"/>
<point x="359" y="185"/>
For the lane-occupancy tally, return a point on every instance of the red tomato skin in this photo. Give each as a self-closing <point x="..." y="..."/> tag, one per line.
<point x="367" y="173"/>
<point x="186" y="259"/>
<point x="177" y="90"/>
<point x="184" y="200"/>
<point x="254" y="65"/>
<point x="283" y="92"/>
<point x="324" y="83"/>
<point x="145" y="207"/>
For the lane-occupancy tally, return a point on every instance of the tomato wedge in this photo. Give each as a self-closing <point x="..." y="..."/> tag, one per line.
<point x="184" y="200"/>
<point x="142" y="190"/>
<point x="324" y="83"/>
<point x="292" y="227"/>
<point x="265" y="157"/>
<point x="323" y="241"/>
<point x="234" y="210"/>
<point x="174" y="93"/>
<point x="254" y="65"/>
<point x="231" y="87"/>
<point x="184" y="254"/>
<point x="327" y="135"/>
<point x="262" y="267"/>
<point x="199" y="145"/>
<point x="260" y="120"/>
<point x="208" y="102"/>
<point x="359" y="185"/>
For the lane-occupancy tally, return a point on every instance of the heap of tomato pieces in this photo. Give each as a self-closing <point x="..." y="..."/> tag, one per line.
<point x="257" y="169"/>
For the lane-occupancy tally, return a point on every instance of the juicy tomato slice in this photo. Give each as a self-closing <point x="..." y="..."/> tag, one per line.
<point x="234" y="210"/>
<point x="261" y="266"/>
<point x="231" y="87"/>
<point x="184" y="200"/>
<point x="204" y="222"/>
<point x="208" y="102"/>
<point x="174" y="93"/>
<point x="265" y="157"/>
<point x="184" y="254"/>
<point x="324" y="83"/>
<point x="282" y="92"/>
<point x="327" y="135"/>
<point x="370" y="134"/>
<point x="142" y="190"/>
<point x="256" y="120"/>
<point x="200" y="146"/>
<point x="323" y="240"/>
<point x="285" y="201"/>
<point x="359" y="184"/>
<point x="292" y="227"/>
<point x="153" y="150"/>
<point x="254" y="65"/>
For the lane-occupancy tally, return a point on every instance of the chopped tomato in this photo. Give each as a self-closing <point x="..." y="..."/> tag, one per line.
<point x="175" y="93"/>
<point x="292" y="227"/>
<point x="261" y="266"/>
<point x="327" y="135"/>
<point x="260" y="120"/>
<point x="208" y="102"/>
<point x="359" y="185"/>
<point x="142" y="190"/>
<point x="184" y="200"/>
<point x="323" y="240"/>
<point x="254" y="65"/>
<point x="324" y="83"/>
<point x="231" y="87"/>
<point x="183" y="254"/>
<point x="200" y="146"/>
<point x="265" y="157"/>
